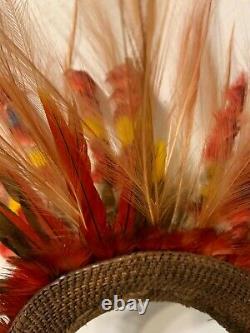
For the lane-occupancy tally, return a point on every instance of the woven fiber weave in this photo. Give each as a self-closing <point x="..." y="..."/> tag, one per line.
<point x="204" y="283"/>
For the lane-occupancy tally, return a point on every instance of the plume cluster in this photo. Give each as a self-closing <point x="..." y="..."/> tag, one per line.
<point x="95" y="168"/>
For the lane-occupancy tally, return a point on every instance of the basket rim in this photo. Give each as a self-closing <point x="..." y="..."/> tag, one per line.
<point x="181" y="261"/>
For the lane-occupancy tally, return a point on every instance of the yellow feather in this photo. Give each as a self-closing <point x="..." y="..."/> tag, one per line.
<point x="160" y="159"/>
<point x="13" y="205"/>
<point x="124" y="130"/>
<point x="36" y="157"/>
<point x="93" y="126"/>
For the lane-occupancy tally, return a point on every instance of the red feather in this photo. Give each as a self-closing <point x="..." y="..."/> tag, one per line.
<point x="219" y="143"/>
<point x="76" y="164"/>
<point x="22" y="224"/>
<point x="124" y="227"/>
<point x="5" y="252"/>
<point x="22" y="283"/>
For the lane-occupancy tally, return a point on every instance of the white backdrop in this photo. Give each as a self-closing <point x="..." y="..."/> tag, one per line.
<point x="159" y="318"/>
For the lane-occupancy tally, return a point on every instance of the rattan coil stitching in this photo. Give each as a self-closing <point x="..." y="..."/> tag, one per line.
<point x="204" y="283"/>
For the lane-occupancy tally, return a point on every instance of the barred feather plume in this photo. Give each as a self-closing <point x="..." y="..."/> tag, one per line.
<point x="93" y="166"/>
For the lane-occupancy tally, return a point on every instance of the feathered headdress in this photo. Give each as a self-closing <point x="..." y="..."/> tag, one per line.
<point x="93" y="166"/>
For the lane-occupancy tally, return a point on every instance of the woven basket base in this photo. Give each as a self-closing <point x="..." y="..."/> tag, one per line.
<point x="206" y="284"/>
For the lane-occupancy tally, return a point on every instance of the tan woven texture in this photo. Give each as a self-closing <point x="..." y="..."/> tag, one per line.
<point x="204" y="283"/>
